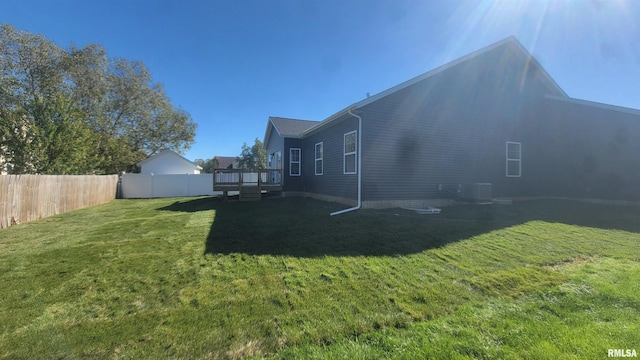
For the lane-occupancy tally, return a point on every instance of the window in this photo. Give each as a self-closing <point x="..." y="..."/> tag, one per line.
<point x="514" y="159"/>
<point x="319" y="158"/>
<point x="294" y="162"/>
<point x="350" y="142"/>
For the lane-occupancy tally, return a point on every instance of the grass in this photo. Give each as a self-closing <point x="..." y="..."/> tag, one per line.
<point x="202" y="278"/>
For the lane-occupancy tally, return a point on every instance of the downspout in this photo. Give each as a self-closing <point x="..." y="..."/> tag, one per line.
<point x="359" y="139"/>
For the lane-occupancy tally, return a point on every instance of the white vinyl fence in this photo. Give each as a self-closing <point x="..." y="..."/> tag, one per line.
<point x="160" y="186"/>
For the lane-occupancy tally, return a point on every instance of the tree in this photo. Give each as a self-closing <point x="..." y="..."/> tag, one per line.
<point x="46" y="138"/>
<point x="139" y="109"/>
<point x="42" y="130"/>
<point x="16" y="145"/>
<point x="61" y="142"/>
<point x="254" y="157"/>
<point x="55" y="101"/>
<point x="207" y="165"/>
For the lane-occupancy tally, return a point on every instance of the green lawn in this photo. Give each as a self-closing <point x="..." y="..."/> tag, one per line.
<point x="201" y="278"/>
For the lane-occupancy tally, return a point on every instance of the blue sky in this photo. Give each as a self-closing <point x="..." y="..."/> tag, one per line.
<point x="231" y="64"/>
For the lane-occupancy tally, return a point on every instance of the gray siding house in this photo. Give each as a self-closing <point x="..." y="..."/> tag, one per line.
<point x="494" y="116"/>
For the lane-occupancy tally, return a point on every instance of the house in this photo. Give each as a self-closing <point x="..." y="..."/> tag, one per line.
<point x="227" y="162"/>
<point x="493" y="121"/>
<point x="168" y="162"/>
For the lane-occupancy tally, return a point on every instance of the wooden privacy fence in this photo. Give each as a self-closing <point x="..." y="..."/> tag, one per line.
<point x="30" y="197"/>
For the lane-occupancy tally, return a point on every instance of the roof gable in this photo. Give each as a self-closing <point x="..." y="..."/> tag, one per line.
<point x="510" y="42"/>
<point x="227" y="162"/>
<point x="287" y="127"/>
<point x="291" y="127"/>
<point x="515" y="48"/>
<point x="167" y="153"/>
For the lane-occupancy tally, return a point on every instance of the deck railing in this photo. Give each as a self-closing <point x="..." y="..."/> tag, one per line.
<point x="225" y="179"/>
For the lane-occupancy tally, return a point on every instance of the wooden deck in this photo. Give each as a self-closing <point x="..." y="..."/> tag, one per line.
<point x="250" y="184"/>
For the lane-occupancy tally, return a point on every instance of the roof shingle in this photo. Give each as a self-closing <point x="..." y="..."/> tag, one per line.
<point x="227" y="162"/>
<point x="291" y="127"/>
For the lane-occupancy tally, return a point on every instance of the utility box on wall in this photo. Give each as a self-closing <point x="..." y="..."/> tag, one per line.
<point x="477" y="192"/>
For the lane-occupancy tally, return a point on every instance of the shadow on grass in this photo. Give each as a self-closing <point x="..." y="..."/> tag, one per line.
<point x="302" y="227"/>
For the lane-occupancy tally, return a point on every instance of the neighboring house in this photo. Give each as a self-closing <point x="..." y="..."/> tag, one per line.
<point x="227" y="162"/>
<point x="168" y="162"/>
<point x="494" y="116"/>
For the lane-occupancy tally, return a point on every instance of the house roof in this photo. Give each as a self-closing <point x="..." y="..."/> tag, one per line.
<point x="595" y="104"/>
<point x="225" y="161"/>
<point x="165" y="152"/>
<point x="287" y="127"/>
<point x="510" y="42"/>
<point x="291" y="127"/>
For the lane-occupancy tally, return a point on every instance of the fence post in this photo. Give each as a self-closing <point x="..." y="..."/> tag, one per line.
<point x="119" y="186"/>
<point x="151" y="186"/>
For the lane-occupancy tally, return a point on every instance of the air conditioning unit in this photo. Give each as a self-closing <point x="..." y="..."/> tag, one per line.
<point x="478" y="192"/>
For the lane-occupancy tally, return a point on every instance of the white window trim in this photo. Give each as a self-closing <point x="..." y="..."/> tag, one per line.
<point x="354" y="153"/>
<point x="508" y="159"/>
<point x="299" y="162"/>
<point x="321" y="159"/>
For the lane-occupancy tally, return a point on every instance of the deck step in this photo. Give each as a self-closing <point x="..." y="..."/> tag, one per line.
<point x="250" y="197"/>
<point x="250" y="193"/>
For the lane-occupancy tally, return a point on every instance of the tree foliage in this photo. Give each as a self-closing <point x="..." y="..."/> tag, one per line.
<point x="61" y="142"/>
<point x="207" y="165"/>
<point x="75" y="111"/>
<point x="254" y="157"/>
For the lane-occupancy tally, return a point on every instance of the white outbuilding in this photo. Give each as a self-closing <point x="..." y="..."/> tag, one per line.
<point x="168" y="162"/>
